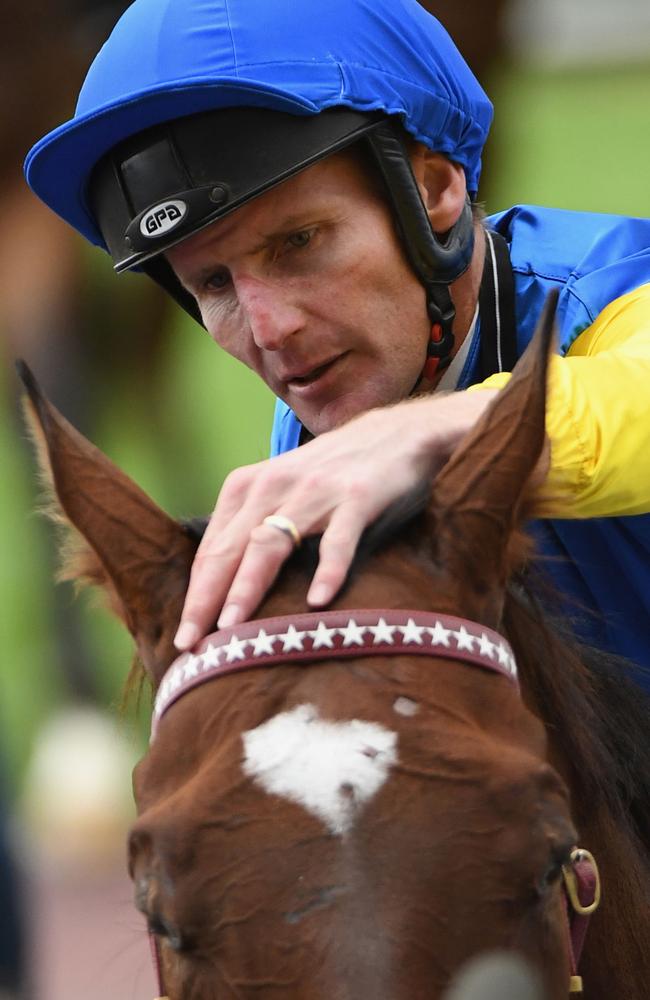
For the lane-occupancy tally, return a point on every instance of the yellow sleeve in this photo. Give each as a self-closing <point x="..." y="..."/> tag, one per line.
<point x="598" y="416"/>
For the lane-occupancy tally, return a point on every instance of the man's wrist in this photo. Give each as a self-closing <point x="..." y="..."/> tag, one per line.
<point x="443" y="421"/>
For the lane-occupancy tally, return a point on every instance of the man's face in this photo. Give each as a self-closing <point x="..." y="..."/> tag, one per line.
<point x="308" y="286"/>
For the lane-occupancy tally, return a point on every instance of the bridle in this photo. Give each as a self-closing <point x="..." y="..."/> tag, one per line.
<point x="306" y="638"/>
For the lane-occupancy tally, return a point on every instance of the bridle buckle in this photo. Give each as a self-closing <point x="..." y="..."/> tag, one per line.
<point x="578" y="855"/>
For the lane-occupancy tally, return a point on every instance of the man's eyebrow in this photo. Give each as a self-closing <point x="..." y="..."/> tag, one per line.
<point x="299" y="220"/>
<point x="289" y="224"/>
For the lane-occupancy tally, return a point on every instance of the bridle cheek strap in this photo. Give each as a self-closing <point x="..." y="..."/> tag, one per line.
<point x="581" y="897"/>
<point x="155" y="958"/>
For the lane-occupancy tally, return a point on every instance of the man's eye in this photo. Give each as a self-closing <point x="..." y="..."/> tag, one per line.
<point x="218" y="280"/>
<point x="301" y="238"/>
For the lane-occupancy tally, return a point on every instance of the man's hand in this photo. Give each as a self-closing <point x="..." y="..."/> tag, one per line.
<point x="336" y="486"/>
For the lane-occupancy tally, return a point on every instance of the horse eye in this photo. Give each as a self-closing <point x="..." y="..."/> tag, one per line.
<point x="549" y="878"/>
<point x="553" y="872"/>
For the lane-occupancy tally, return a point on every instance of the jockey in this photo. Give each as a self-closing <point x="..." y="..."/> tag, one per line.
<point x="301" y="178"/>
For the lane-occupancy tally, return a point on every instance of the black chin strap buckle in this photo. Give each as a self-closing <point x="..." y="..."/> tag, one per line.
<point x="441" y="314"/>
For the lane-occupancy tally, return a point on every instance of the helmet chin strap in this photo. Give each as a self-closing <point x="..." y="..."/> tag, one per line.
<point x="440" y="307"/>
<point x="436" y="261"/>
<point x="441" y="312"/>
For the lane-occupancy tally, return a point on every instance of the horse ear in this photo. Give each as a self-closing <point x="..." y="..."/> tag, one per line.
<point x="135" y="551"/>
<point x="477" y="498"/>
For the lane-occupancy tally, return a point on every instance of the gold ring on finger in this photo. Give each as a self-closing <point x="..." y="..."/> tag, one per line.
<point x="286" y="526"/>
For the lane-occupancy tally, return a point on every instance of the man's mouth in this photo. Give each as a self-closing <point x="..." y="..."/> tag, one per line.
<point x="312" y="375"/>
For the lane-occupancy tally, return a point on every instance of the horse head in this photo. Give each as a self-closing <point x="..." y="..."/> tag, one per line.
<point x="350" y="825"/>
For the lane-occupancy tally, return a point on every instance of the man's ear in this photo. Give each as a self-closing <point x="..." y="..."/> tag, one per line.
<point x="442" y="186"/>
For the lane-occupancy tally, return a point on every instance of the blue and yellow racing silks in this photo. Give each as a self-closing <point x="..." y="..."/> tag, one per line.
<point x="596" y="499"/>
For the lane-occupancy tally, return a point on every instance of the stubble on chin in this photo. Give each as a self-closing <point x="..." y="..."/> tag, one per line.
<point x="337" y="413"/>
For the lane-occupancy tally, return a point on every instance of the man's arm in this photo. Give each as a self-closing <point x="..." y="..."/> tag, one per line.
<point x="598" y="417"/>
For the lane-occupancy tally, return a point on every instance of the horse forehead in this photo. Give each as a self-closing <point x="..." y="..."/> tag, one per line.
<point x="330" y="768"/>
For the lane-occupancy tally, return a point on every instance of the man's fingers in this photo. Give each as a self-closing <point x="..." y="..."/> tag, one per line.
<point x="267" y="549"/>
<point x="336" y="552"/>
<point x="239" y="575"/>
<point x="209" y="581"/>
<point x="232" y="571"/>
<point x="231" y="499"/>
<point x="238" y="510"/>
<point x="240" y="556"/>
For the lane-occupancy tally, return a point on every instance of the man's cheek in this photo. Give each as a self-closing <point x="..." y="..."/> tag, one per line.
<point x="233" y="343"/>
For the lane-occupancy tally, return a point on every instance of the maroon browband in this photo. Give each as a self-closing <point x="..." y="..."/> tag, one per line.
<point x="305" y="638"/>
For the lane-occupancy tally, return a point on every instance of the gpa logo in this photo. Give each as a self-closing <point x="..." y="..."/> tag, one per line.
<point x="162" y="218"/>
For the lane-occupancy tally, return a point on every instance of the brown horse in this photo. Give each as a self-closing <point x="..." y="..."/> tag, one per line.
<point x="356" y="825"/>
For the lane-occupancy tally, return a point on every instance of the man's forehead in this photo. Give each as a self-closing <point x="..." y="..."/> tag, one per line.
<point x="288" y="205"/>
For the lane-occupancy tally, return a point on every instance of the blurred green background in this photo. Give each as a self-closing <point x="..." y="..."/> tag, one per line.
<point x="574" y="138"/>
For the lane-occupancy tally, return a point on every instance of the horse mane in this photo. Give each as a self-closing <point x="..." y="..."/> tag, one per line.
<point x="590" y="700"/>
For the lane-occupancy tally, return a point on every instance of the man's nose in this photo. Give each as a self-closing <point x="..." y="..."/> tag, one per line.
<point x="271" y="311"/>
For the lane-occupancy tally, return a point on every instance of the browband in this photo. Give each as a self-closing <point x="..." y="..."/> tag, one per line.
<point x="305" y="638"/>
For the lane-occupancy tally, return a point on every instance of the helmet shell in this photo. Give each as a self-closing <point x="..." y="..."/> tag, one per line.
<point x="170" y="58"/>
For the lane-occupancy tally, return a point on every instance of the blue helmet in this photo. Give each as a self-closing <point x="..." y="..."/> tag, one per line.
<point x="192" y="107"/>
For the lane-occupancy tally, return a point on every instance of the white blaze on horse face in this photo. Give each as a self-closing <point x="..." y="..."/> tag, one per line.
<point x="331" y="769"/>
